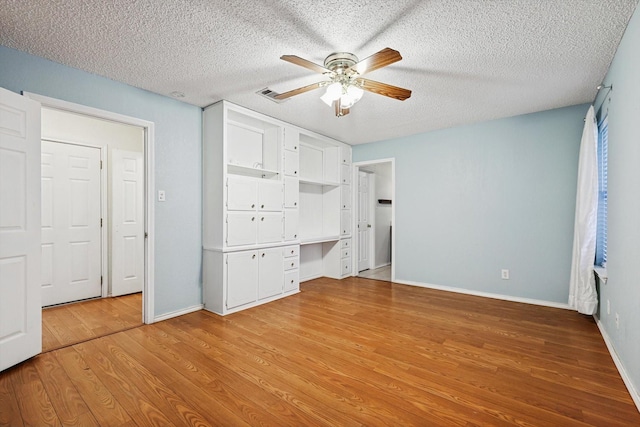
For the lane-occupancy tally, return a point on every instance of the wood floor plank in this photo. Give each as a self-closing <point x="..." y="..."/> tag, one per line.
<point x="341" y="352"/>
<point x="133" y="400"/>
<point x="10" y="413"/>
<point x="35" y="405"/>
<point x="103" y="405"/>
<point x="65" y="398"/>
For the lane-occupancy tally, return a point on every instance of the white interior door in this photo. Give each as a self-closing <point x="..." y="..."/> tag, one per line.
<point x="20" y="306"/>
<point x="127" y="223"/>
<point x="71" y="223"/>
<point x="364" y="222"/>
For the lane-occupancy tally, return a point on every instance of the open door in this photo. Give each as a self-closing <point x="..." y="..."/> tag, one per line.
<point x="20" y="257"/>
<point x="127" y="219"/>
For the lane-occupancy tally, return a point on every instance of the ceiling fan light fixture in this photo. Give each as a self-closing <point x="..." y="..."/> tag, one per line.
<point x="334" y="91"/>
<point x="327" y="99"/>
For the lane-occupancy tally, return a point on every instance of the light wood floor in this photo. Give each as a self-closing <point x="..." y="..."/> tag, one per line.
<point x="81" y="321"/>
<point x="341" y="353"/>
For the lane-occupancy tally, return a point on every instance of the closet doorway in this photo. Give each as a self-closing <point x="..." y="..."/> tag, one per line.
<point x="374" y="215"/>
<point x="94" y="165"/>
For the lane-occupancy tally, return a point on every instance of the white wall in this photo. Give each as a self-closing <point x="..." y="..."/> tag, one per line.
<point x="622" y="290"/>
<point x="473" y="200"/>
<point x="178" y="163"/>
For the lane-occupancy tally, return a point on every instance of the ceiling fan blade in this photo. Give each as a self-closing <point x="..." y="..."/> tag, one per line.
<point x="381" y="59"/>
<point x="384" y="89"/>
<point x="299" y="90"/>
<point x="305" y="63"/>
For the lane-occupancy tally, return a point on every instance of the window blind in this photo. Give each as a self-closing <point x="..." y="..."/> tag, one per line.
<point x="601" y="229"/>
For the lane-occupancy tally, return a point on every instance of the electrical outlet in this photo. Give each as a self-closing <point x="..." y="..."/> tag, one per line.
<point x="504" y="274"/>
<point x="161" y="196"/>
<point x="608" y="307"/>
<point x="617" y="321"/>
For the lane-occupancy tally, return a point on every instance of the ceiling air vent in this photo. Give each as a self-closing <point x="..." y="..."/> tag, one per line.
<point x="269" y="94"/>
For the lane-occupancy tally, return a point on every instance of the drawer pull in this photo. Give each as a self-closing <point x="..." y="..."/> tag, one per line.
<point x="254" y="256"/>
<point x="253" y="206"/>
<point x="262" y="254"/>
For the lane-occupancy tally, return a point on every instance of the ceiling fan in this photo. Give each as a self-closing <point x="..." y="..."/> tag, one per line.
<point x="345" y="85"/>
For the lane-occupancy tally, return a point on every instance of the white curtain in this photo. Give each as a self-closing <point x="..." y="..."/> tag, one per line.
<point x="582" y="289"/>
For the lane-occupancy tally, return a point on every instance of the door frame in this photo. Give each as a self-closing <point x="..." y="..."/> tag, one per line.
<point x="354" y="179"/>
<point x="149" y="184"/>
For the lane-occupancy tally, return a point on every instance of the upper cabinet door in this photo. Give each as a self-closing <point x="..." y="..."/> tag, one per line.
<point x="345" y="155"/>
<point x="270" y="227"/>
<point x="291" y="193"/>
<point x="345" y="174"/>
<point x="291" y="139"/>
<point x="241" y="193"/>
<point x="241" y="228"/>
<point x="291" y="163"/>
<point x="269" y="195"/>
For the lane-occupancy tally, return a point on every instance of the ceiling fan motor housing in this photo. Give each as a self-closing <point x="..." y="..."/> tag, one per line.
<point x="340" y="61"/>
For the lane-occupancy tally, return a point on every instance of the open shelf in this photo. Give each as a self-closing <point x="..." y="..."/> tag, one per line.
<point x="253" y="172"/>
<point x="315" y="182"/>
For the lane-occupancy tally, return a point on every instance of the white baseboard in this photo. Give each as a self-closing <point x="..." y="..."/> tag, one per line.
<point x="485" y="294"/>
<point x="177" y="313"/>
<point x="623" y="373"/>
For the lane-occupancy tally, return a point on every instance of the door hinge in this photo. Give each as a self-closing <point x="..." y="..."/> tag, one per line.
<point x="100" y="222"/>
<point x="101" y="280"/>
<point x="146" y="235"/>
<point x="100" y="164"/>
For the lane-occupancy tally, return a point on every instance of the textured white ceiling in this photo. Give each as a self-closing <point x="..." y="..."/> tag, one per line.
<point x="465" y="61"/>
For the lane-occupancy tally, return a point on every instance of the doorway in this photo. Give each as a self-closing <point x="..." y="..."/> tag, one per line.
<point x="374" y="216"/>
<point x="126" y="146"/>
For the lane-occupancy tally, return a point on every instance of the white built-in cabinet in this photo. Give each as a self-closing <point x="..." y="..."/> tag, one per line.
<point x="276" y="208"/>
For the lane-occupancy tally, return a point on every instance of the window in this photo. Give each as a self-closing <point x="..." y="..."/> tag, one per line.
<point x="601" y="229"/>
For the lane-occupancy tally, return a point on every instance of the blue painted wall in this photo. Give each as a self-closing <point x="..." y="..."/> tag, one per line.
<point x="473" y="200"/>
<point x="178" y="147"/>
<point x="623" y="251"/>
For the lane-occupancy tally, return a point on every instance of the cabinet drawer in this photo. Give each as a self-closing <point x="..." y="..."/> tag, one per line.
<point x="291" y="280"/>
<point x="346" y="266"/>
<point x="346" y="253"/>
<point x="291" y="263"/>
<point x="291" y="251"/>
<point x="345" y="243"/>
